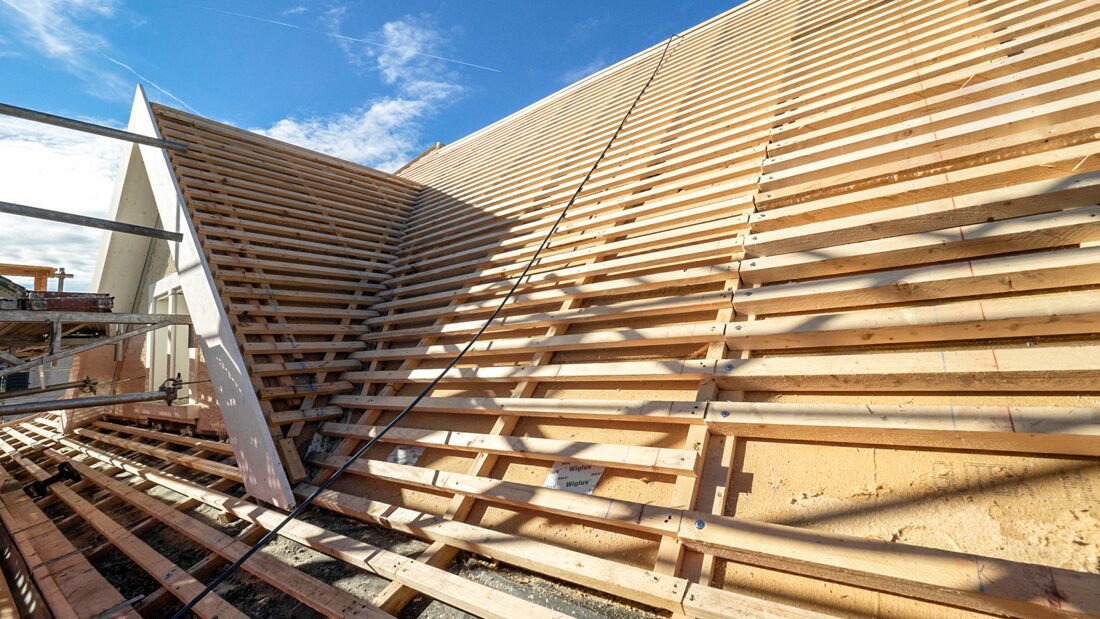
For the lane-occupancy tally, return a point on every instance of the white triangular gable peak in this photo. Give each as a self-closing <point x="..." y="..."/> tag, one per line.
<point x="253" y="447"/>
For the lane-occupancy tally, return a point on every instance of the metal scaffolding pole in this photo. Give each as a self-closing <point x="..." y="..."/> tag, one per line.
<point x="33" y="363"/>
<point x="91" y="222"/>
<point x="86" y="385"/>
<point x="166" y="392"/>
<point x="79" y="125"/>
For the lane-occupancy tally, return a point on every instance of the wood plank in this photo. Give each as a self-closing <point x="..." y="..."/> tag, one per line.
<point x="653" y="519"/>
<point x="60" y="571"/>
<point x="979" y="583"/>
<point x="676" y="278"/>
<point x="1048" y="230"/>
<point x="1022" y="429"/>
<point x="673" y="369"/>
<point x="1072" y="369"/>
<point x="1055" y="269"/>
<point x="194" y="462"/>
<point x="169" y="575"/>
<point x="554" y="408"/>
<point x="644" y="586"/>
<point x="244" y="419"/>
<point x="635" y="457"/>
<point x="197" y="443"/>
<point x="442" y="585"/>
<point x="999" y="317"/>
<point x="314" y="593"/>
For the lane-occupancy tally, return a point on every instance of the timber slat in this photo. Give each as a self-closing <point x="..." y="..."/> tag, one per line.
<point x="834" y="223"/>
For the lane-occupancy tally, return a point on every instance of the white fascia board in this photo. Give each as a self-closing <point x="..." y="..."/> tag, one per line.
<point x="126" y="151"/>
<point x="124" y="259"/>
<point x="253" y="447"/>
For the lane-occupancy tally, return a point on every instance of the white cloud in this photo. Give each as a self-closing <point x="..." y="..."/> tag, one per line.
<point x="402" y="61"/>
<point x="384" y="132"/>
<point x="63" y="170"/>
<point x="586" y="27"/>
<point x="381" y="134"/>
<point x="578" y="73"/>
<point x="51" y="27"/>
<point x="64" y="30"/>
<point x="297" y="10"/>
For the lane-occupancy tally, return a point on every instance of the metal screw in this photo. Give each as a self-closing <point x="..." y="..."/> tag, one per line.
<point x="725" y="413"/>
<point x="748" y="294"/>
<point x="752" y="264"/>
<point x="738" y="327"/>
<point x="699" y="524"/>
<point x="763" y="215"/>
<point x="729" y="367"/>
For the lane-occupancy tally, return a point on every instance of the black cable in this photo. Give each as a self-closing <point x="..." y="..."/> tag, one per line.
<point x="431" y="386"/>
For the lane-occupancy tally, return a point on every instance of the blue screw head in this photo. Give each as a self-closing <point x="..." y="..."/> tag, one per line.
<point x="699" y="524"/>
<point x="738" y="327"/>
<point x="729" y="367"/>
<point x="748" y="294"/>
<point x="725" y="413"/>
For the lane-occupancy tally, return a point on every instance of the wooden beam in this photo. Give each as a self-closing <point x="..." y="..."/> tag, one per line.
<point x="1055" y="368"/>
<point x="322" y="597"/>
<point x="442" y="585"/>
<point x="652" y="519"/>
<point x="60" y="571"/>
<point x="978" y="583"/>
<point x="168" y="574"/>
<point x="598" y="410"/>
<point x="187" y="441"/>
<point x="641" y="458"/>
<point x="260" y="465"/>
<point x="643" y="586"/>
<point x="194" y="462"/>
<point x="1020" y="429"/>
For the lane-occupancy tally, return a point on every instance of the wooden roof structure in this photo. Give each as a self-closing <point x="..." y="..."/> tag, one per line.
<point x="829" y="229"/>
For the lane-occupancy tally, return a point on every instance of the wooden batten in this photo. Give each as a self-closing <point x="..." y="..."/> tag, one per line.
<point x="841" y="225"/>
<point x="820" y="327"/>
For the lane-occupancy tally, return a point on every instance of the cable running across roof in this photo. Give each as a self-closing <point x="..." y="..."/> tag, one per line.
<point x="273" y="532"/>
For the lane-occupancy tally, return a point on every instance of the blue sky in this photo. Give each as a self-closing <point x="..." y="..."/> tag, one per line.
<point x="362" y="80"/>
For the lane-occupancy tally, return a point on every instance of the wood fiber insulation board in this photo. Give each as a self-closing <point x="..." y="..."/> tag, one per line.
<point x="902" y="195"/>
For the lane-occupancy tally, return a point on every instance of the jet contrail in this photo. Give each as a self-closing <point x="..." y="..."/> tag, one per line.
<point x="347" y="38"/>
<point x="149" y="81"/>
